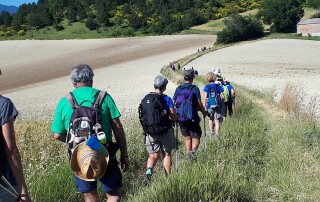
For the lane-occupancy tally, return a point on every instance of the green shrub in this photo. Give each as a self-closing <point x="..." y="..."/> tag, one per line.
<point x="21" y="32"/>
<point x="58" y="27"/>
<point x="316" y="15"/>
<point x="91" y="24"/>
<point x="240" y="28"/>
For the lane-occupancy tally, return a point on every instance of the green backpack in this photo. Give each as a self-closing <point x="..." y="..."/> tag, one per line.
<point x="225" y="93"/>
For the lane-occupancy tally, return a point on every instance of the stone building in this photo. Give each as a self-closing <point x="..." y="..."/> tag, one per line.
<point x="309" y="27"/>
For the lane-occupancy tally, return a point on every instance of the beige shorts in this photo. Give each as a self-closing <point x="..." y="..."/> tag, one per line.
<point x="165" y="142"/>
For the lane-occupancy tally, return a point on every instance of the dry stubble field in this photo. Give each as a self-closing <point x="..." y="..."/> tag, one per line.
<point x="35" y="73"/>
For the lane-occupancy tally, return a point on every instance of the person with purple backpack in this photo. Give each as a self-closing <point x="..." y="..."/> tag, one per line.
<point x="187" y="100"/>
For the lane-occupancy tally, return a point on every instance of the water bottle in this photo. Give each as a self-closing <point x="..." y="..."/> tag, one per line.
<point x="102" y="137"/>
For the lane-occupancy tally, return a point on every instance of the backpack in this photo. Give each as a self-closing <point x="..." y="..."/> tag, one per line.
<point x="213" y="98"/>
<point x="186" y="104"/>
<point x="226" y="93"/>
<point x="152" y="115"/>
<point x="85" y="121"/>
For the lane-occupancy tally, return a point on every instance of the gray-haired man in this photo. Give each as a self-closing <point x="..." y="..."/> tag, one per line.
<point x="157" y="144"/>
<point x="82" y="79"/>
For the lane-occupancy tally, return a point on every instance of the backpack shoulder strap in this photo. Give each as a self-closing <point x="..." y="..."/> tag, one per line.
<point x="72" y="100"/>
<point x="99" y="98"/>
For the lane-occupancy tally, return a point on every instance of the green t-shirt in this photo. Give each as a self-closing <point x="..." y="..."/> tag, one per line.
<point x="85" y="96"/>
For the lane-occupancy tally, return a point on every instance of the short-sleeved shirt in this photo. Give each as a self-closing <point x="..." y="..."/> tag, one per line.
<point x="167" y="104"/>
<point x="213" y="85"/>
<point x="85" y="96"/>
<point x="7" y="112"/>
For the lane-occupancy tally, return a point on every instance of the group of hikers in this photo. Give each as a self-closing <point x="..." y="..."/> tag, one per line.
<point x="158" y="113"/>
<point x="88" y="120"/>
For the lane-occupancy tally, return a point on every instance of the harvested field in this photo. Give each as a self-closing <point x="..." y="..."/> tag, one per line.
<point x="35" y="72"/>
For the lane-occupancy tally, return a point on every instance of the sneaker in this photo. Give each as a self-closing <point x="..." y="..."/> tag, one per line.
<point x="147" y="179"/>
<point x="192" y="156"/>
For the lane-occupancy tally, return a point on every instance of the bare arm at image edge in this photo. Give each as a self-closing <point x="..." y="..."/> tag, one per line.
<point x="14" y="158"/>
<point x="122" y="142"/>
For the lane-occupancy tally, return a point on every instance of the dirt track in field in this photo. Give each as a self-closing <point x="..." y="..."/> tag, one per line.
<point x="35" y="73"/>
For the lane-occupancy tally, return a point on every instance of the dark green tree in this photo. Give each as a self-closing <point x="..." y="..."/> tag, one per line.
<point x="239" y="28"/>
<point x="282" y="15"/>
<point x="314" y="3"/>
<point x="71" y="11"/>
<point x="5" y="18"/>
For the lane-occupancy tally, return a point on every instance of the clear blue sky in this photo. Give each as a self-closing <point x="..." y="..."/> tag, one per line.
<point x="16" y="2"/>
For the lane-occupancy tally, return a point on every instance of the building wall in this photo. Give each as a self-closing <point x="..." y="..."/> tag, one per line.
<point x="308" y="29"/>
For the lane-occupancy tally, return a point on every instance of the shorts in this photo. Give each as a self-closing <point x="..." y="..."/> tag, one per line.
<point x="215" y="114"/>
<point x="111" y="181"/>
<point x="165" y="142"/>
<point x="190" y="128"/>
<point x="6" y="197"/>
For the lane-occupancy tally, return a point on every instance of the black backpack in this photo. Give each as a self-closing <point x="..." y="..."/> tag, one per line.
<point x="85" y="121"/>
<point x="153" y="118"/>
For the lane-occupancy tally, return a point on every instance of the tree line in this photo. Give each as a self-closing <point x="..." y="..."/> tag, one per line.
<point x="145" y="16"/>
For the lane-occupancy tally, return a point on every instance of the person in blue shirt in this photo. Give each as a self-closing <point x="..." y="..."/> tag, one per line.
<point x="165" y="143"/>
<point x="191" y="129"/>
<point x="232" y="95"/>
<point x="215" y="113"/>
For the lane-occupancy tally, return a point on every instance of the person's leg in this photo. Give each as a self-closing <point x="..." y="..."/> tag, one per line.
<point x="230" y="108"/>
<point x="217" y="126"/>
<point x="167" y="162"/>
<point x="91" y="196"/>
<point x="114" y="196"/>
<point x="188" y="143"/>
<point x="88" y="188"/>
<point x="211" y="125"/>
<point x="195" y="144"/>
<point x="152" y="160"/>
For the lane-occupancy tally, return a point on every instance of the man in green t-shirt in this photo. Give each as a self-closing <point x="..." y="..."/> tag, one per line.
<point x="82" y="79"/>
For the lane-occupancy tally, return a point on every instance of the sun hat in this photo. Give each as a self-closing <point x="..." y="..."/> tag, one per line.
<point x="89" y="164"/>
<point x="189" y="73"/>
<point x="160" y="81"/>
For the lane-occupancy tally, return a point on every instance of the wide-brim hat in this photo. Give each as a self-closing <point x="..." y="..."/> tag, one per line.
<point x="89" y="164"/>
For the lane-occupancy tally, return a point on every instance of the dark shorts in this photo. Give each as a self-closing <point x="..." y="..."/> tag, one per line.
<point x="111" y="181"/>
<point x="190" y="128"/>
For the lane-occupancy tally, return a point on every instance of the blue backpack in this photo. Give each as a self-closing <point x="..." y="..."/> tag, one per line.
<point x="213" y="98"/>
<point x="186" y="104"/>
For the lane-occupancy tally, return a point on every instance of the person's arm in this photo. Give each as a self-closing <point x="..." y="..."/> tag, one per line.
<point x="199" y="103"/>
<point x="205" y="95"/>
<point x="173" y="115"/>
<point x="59" y="137"/>
<point x="14" y="158"/>
<point x="121" y="140"/>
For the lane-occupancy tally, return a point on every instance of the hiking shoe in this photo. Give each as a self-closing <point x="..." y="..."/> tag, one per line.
<point x="147" y="179"/>
<point x="192" y="156"/>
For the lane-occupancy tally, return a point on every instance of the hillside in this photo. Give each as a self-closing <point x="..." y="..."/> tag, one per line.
<point x="10" y="9"/>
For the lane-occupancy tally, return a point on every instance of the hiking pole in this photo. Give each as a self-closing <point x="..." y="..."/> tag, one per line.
<point x="177" y="146"/>
<point x="14" y="193"/>
<point x="205" y="133"/>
